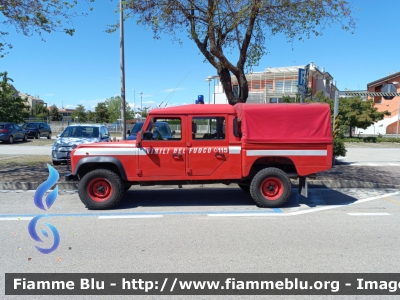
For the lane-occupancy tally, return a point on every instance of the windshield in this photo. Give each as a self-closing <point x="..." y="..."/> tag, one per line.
<point x="136" y="128"/>
<point x="81" y="132"/>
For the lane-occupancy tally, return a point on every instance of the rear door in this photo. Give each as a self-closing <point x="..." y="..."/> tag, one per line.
<point x="208" y="148"/>
<point x="164" y="158"/>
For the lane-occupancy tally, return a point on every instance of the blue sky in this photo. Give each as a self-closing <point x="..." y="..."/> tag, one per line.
<point x="84" y="69"/>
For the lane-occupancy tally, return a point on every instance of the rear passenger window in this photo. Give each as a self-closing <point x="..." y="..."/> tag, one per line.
<point x="208" y="128"/>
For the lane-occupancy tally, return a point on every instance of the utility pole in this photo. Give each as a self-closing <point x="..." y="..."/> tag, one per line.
<point x="123" y="104"/>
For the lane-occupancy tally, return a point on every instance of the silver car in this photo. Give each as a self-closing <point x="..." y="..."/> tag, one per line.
<point x="75" y="135"/>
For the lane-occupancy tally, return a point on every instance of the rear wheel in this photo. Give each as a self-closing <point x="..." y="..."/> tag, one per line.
<point x="37" y="135"/>
<point x="10" y="139"/>
<point x="100" y="189"/>
<point x="25" y="138"/>
<point x="271" y="187"/>
<point x="49" y="136"/>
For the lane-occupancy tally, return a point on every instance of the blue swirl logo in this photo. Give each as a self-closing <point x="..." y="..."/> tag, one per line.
<point x="38" y="200"/>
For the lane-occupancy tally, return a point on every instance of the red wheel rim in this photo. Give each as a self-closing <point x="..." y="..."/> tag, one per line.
<point x="99" y="189"/>
<point x="272" y="188"/>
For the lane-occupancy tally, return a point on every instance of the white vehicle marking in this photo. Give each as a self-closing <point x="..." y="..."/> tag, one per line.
<point x="234" y="149"/>
<point x="287" y="152"/>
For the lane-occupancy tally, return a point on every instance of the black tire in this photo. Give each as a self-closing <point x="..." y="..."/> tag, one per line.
<point x="244" y="187"/>
<point x="10" y="139"/>
<point x="25" y="138"/>
<point x="37" y="136"/>
<point x="271" y="187"/>
<point x="56" y="163"/>
<point x="49" y="136"/>
<point x="100" y="189"/>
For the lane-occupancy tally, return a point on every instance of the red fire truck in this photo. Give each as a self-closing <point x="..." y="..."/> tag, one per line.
<point x="257" y="146"/>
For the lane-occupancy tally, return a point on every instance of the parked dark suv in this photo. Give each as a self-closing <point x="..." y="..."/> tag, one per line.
<point x="37" y="130"/>
<point x="10" y="132"/>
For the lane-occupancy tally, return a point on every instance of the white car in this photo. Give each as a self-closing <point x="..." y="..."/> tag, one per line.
<point x="75" y="135"/>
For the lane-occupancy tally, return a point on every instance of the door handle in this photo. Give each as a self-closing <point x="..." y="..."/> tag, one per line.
<point x="176" y="155"/>
<point x="219" y="154"/>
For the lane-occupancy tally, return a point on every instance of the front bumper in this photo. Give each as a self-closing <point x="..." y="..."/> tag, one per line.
<point x="61" y="154"/>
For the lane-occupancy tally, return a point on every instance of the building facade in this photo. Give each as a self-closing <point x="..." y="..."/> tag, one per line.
<point x="390" y="124"/>
<point x="270" y="85"/>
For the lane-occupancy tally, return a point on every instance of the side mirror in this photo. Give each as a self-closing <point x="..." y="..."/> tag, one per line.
<point x="128" y="132"/>
<point x="139" y="139"/>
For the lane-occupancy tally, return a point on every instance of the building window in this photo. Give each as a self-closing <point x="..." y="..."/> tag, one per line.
<point x="256" y="86"/>
<point x="236" y="91"/>
<point x="275" y="100"/>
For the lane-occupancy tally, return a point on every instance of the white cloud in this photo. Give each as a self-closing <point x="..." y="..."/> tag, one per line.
<point x="173" y="90"/>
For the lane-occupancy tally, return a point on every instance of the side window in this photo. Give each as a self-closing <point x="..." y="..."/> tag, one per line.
<point x="208" y="128"/>
<point x="16" y="126"/>
<point x="164" y="129"/>
<point x="236" y="127"/>
<point x="106" y="133"/>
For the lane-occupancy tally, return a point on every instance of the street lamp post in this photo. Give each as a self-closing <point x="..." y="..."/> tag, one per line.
<point x="122" y="65"/>
<point x="141" y="107"/>
<point x="209" y="78"/>
<point x="398" y="114"/>
<point x="134" y="102"/>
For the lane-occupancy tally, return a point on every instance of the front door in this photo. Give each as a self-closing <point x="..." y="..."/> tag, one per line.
<point x="162" y="152"/>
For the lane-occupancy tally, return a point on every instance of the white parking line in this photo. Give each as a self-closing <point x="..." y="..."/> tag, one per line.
<point x="16" y="219"/>
<point x="369" y="214"/>
<point x="131" y="217"/>
<point x="305" y="211"/>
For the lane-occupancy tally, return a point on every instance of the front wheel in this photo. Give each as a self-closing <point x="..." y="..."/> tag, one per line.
<point x="37" y="135"/>
<point x="100" y="189"/>
<point x="10" y="139"/>
<point x="271" y="187"/>
<point x="25" y="138"/>
<point x="49" y="136"/>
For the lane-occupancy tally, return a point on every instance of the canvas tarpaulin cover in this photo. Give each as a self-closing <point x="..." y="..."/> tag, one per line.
<point x="285" y="123"/>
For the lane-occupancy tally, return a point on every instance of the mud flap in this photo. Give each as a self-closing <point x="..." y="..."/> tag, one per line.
<point x="303" y="186"/>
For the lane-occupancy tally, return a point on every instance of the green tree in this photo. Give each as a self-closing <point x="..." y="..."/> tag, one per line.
<point x="55" y="114"/>
<point x="91" y="116"/>
<point x="102" y="114"/>
<point x="222" y="29"/>
<point x="33" y="16"/>
<point x="39" y="111"/>
<point x="354" y="112"/>
<point x="12" y="108"/>
<point x="80" y="112"/>
<point x="144" y="112"/>
<point x="114" y="108"/>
